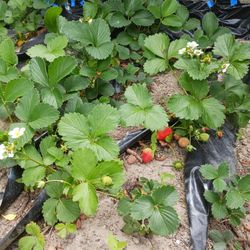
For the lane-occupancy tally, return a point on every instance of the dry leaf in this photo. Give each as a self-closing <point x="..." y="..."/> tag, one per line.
<point x="9" y="216"/>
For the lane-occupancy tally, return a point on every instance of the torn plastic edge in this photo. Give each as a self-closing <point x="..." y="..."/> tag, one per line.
<point x="34" y="212"/>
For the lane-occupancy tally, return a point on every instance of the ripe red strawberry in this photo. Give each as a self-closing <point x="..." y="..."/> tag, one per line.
<point x="162" y="134"/>
<point x="147" y="155"/>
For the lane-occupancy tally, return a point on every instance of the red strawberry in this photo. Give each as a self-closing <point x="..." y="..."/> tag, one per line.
<point x="162" y="134"/>
<point x="147" y="155"/>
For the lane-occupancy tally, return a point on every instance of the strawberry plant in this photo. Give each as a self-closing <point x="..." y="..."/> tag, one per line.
<point x="172" y="14"/>
<point x="149" y="210"/>
<point x="221" y="239"/>
<point x="210" y="31"/>
<point x="140" y="110"/>
<point x="158" y="51"/>
<point x="234" y="94"/>
<point x="48" y="77"/>
<point x="79" y="184"/>
<point x="94" y="37"/>
<point x="229" y="195"/>
<point x="115" y="244"/>
<point x="53" y="49"/>
<point x="90" y="131"/>
<point x="233" y="53"/>
<point x="196" y="104"/>
<point x="35" y="240"/>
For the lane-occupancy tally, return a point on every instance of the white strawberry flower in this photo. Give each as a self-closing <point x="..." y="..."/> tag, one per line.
<point x="198" y="52"/>
<point x="224" y="67"/>
<point x="182" y="51"/>
<point x="192" y="45"/>
<point x="2" y="152"/>
<point x="16" y="133"/>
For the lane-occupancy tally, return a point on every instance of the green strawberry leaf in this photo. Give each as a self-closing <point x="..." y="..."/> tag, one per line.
<point x="49" y="211"/>
<point x="142" y="208"/>
<point x="185" y="107"/>
<point x="158" y="44"/>
<point x="85" y="194"/>
<point x="212" y="113"/>
<point x="164" y="220"/>
<point x="209" y="172"/>
<point x="140" y="110"/>
<point x="234" y="199"/>
<point x="35" y="241"/>
<point x="198" y="89"/>
<point x="115" y="244"/>
<point x="219" y="210"/>
<point x="67" y="210"/>
<point x="60" y="68"/>
<point x="83" y="162"/>
<point x="219" y="185"/>
<point x="8" y="52"/>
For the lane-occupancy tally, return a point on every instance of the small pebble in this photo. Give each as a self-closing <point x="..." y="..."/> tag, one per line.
<point x="131" y="159"/>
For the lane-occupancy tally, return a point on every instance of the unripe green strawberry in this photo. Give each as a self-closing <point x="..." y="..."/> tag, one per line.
<point x="190" y="148"/>
<point x="169" y="138"/>
<point x="204" y="137"/>
<point x="107" y="180"/>
<point x="178" y="165"/>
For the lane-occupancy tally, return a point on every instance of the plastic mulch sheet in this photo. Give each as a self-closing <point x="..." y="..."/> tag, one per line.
<point x="214" y="152"/>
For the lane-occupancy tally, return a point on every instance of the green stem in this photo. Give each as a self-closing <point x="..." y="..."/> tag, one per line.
<point x="7" y="109"/>
<point x="174" y="153"/>
<point x="61" y="181"/>
<point x="177" y="79"/>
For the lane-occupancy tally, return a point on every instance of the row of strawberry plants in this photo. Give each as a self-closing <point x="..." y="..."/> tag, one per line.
<point x="66" y="89"/>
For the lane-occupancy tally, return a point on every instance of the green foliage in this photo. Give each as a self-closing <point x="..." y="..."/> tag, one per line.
<point x="124" y="13"/>
<point x="210" y="30"/>
<point x="150" y="210"/>
<point x="140" y="110"/>
<point x="158" y="51"/>
<point x="115" y="244"/>
<point x="196" y="105"/>
<point x="34" y="241"/>
<point x="229" y="195"/>
<point x="7" y="52"/>
<point x="235" y="95"/>
<point x="220" y="239"/>
<point x="86" y="177"/>
<point x="235" y="53"/>
<point x="172" y="14"/>
<point x="50" y="18"/>
<point x="49" y="77"/>
<point x="54" y="48"/>
<point x="94" y="37"/>
<point x="65" y="229"/>
<point x="91" y="131"/>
